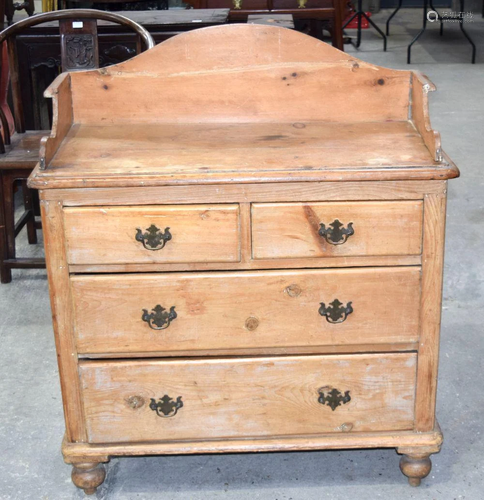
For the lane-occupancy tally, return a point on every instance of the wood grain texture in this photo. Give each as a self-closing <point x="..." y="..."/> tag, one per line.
<point x="263" y="264"/>
<point x="178" y="153"/>
<point x="290" y="230"/>
<point x="430" y="312"/>
<point x="106" y="235"/>
<point x="213" y="309"/>
<point x="205" y="127"/>
<point x="266" y="351"/>
<point x="249" y="397"/>
<point x="243" y="193"/>
<point x="62" y="117"/>
<point x="421" y="87"/>
<point x="428" y="441"/>
<point x="60" y="298"/>
<point x="23" y="152"/>
<point x="293" y="67"/>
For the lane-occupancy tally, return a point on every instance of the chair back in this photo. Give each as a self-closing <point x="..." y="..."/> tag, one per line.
<point x="79" y="51"/>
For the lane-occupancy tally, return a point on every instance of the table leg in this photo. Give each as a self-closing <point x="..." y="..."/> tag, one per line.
<point x="359" y="13"/>
<point x="461" y="24"/>
<point x="441" y="19"/>
<point x="419" y="34"/>
<point x="399" y="6"/>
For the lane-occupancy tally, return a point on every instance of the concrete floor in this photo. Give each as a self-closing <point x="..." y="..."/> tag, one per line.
<point x="31" y="421"/>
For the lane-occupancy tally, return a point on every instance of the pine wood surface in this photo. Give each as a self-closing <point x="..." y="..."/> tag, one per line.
<point x="405" y="441"/>
<point x="249" y="397"/>
<point x="242" y="193"/>
<point x="244" y="156"/>
<point x="291" y="230"/>
<point x="204" y="121"/>
<point x="215" y="310"/>
<point x="182" y="153"/>
<point x="106" y="235"/>
<point x="430" y="309"/>
<point x="62" y="315"/>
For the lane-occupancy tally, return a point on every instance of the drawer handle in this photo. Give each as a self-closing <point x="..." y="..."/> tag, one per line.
<point x="159" y="318"/>
<point x="336" y="233"/>
<point x="154" y="238"/>
<point x="166" y="407"/>
<point x="336" y="312"/>
<point x="333" y="398"/>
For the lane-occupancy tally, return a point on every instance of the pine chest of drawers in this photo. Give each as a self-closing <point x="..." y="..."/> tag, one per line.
<point x="244" y="232"/>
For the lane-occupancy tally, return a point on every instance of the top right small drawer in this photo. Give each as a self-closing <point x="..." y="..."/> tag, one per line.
<point x="331" y="229"/>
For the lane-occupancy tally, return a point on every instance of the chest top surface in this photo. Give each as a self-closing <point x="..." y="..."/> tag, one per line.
<point x="239" y="103"/>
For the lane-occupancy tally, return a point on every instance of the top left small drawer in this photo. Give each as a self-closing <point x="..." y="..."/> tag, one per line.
<point x="164" y="234"/>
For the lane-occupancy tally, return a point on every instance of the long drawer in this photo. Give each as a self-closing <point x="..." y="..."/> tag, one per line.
<point x="152" y="234"/>
<point x="173" y="312"/>
<point x="251" y="397"/>
<point x="329" y="229"/>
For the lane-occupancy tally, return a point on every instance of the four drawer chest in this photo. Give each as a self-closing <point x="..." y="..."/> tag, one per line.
<point x="244" y="232"/>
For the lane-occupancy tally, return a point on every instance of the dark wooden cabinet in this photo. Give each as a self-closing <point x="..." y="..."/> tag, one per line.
<point x="313" y="12"/>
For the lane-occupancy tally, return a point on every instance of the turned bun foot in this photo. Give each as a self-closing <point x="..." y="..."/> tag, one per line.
<point x="88" y="476"/>
<point x="415" y="467"/>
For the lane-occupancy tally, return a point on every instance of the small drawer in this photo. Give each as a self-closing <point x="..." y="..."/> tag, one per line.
<point x="249" y="397"/>
<point x="264" y="310"/>
<point x="302" y="230"/>
<point x="152" y="234"/>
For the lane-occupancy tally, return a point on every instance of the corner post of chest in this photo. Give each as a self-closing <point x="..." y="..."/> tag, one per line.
<point x="62" y="316"/>
<point x="430" y="307"/>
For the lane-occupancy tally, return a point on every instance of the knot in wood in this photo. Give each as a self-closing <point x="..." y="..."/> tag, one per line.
<point x="293" y="290"/>
<point x="135" y="402"/>
<point x="251" y="323"/>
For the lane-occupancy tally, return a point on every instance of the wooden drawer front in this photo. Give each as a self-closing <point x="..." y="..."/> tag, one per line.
<point x="245" y="310"/>
<point x="292" y="230"/>
<point x="249" y="397"/>
<point x="199" y="233"/>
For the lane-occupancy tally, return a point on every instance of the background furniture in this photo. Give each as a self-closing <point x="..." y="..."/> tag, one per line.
<point x="317" y="205"/>
<point x="359" y="14"/>
<point x="314" y="11"/>
<point x="39" y="49"/>
<point x="281" y="20"/>
<point x="460" y="18"/>
<point x="124" y="5"/>
<point x="19" y="152"/>
<point x="10" y="7"/>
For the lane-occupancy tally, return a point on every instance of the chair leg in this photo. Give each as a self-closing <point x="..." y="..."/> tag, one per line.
<point x="5" y="273"/>
<point x="9" y="211"/>
<point x="35" y="198"/>
<point x="337" y="31"/>
<point x="29" y="207"/>
<point x="9" y="11"/>
<point x="30" y="7"/>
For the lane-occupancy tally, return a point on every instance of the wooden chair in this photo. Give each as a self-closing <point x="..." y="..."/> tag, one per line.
<point x="9" y="8"/>
<point x="19" y="151"/>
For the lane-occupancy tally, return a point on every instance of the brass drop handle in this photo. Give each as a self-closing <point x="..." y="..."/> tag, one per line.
<point x="336" y="312"/>
<point x="154" y="238"/>
<point x="336" y="233"/>
<point x="166" y="407"/>
<point x="333" y="397"/>
<point x="159" y="318"/>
